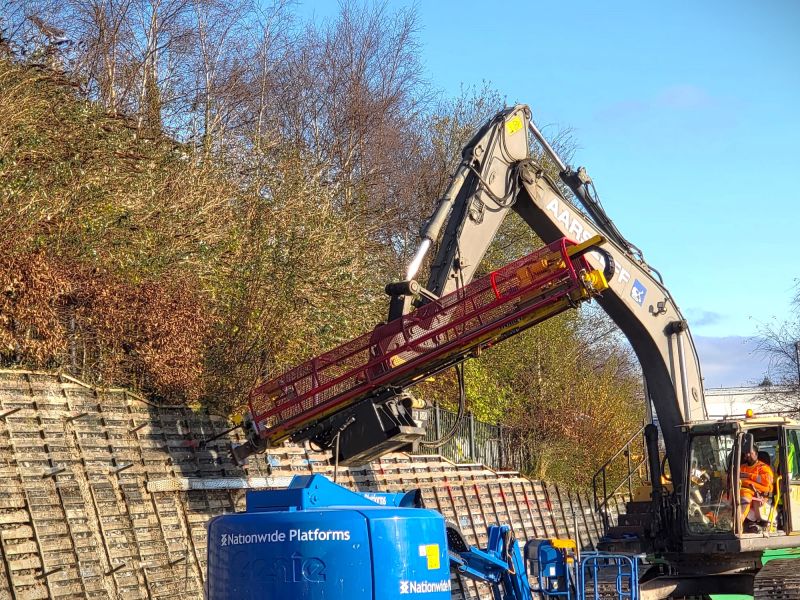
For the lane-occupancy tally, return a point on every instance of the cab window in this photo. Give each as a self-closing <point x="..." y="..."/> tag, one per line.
<point x="793" y="454"/>
<point x="709" y="509"/>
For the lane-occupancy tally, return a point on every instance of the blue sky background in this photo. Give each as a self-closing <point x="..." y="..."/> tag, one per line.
<point x="688" y="119"/>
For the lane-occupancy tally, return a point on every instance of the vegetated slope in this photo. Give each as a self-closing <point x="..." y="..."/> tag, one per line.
<point x="111" y="499"/>
<point x="107" y="240"/>
<point x="187" y="226"/>
<point x="134" y="260"/>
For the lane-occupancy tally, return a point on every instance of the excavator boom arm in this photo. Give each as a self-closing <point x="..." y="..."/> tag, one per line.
<point x="499" y="173"/>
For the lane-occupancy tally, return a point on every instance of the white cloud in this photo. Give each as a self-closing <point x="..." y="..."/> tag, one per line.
<point x="684" y="96"/>
<point x="699" y="318"/>
<point x="676" y="98"/>
<point x="730" y="361"/>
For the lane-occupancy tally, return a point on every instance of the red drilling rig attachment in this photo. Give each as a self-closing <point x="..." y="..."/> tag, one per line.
<point x="441" y="333"/>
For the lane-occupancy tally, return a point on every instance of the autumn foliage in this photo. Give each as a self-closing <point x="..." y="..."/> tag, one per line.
<point x="101" y="275"/>
<point x="150" y="334"/>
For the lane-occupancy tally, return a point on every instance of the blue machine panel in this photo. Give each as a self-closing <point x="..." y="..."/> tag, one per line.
<point x="306" y="543"/>
<point x="410" y="554"/>
<point x="312" y="555"/>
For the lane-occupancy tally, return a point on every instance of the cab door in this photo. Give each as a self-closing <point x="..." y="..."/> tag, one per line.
<point x="790" y="472"/>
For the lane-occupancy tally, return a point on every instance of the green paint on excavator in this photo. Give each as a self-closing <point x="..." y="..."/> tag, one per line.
<point x="779" y="553"/>
<point x="765" y="558"/>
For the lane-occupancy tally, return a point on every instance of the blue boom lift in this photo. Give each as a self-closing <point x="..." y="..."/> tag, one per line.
<point x="316" y="540"/>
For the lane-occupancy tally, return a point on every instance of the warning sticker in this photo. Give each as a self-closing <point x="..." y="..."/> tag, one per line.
<point x="513" y="125"/>
<point x="431" y="554"/>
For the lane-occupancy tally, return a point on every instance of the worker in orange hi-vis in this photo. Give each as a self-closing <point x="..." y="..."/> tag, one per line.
<point x="755" y="486"/>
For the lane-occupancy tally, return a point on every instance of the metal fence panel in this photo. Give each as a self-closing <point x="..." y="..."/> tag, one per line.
<point x="474" y="441"/>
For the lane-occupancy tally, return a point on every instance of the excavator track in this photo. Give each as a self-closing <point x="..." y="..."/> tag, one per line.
<point x="778" y="580"/>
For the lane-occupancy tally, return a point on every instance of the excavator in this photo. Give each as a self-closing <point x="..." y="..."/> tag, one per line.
<point x="357" y="400"/>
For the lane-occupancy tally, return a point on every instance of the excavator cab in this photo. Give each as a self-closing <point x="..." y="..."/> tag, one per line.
<point x="709" y="509"/>
<point x="733" y="506"/>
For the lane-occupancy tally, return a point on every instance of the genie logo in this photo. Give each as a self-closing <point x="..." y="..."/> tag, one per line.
<point x="280" y="570"/>
<point x="298" y="569"/>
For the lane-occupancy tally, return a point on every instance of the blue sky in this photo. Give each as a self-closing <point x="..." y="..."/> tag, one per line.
<point x="688" y="119"/>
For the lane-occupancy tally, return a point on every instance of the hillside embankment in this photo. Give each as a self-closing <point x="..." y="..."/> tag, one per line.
<point x="105" y="495"/>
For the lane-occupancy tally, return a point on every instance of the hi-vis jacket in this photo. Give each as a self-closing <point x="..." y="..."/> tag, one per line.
<point x="756" y="479"/>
